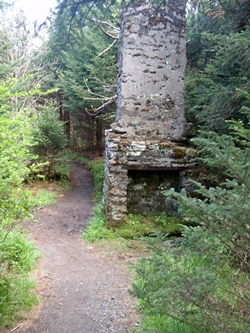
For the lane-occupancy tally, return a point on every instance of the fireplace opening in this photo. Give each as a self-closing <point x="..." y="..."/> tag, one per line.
<point x="145" y="191"/>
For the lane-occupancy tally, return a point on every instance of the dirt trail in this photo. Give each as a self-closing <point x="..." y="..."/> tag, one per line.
<point x="81" y="290"/>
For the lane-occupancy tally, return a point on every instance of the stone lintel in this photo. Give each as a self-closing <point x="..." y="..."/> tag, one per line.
<point x="140" y="168"/>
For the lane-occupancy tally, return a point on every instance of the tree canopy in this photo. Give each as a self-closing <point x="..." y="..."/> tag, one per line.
<point x="218" y="62"/>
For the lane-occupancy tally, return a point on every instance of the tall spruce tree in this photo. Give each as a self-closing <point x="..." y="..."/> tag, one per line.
<point x="218" y="37"/>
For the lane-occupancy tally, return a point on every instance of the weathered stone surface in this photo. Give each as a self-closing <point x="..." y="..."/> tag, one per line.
<point x="152" y="67"/>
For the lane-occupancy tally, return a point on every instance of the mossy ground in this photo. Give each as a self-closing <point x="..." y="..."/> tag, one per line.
<point x="137" y="226"/>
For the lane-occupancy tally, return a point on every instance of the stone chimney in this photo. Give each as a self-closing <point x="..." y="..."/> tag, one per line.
<point x="146" y="148"/>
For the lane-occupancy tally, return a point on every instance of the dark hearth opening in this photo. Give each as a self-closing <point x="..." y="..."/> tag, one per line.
<point x="145" y="191"/>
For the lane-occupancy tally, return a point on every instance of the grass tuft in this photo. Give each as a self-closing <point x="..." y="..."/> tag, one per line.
<point x="97" y="227"/>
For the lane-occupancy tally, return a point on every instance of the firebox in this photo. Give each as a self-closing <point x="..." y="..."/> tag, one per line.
<point x="145" y="191"/>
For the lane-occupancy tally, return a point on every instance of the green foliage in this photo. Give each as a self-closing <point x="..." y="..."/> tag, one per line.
<point x="218" y="63"/>
<point x="50" y="141"/>
<point x="135" y="227"/>
<point x="17" y="252"/>
<point x="160" y="324"/>
<point x="17" y="259"/>
<point x="42" y="198"/>
<point x="76" y="157"/>
<point x="86" y="76"/>
<point x="192" y="286"/>
<point x="204" y="282"/>
<point x="15" y="137"/>
<point x="48" y="133"/>
<point x="97" y="170"/>
<point x="18" y="87"/>
<point x="15" y="298"/>
<point x="97" y="227"/>
<point x="17" y="255"/>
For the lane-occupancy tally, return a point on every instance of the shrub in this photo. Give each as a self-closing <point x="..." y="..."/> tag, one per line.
<point x="50" y="141"/>
<point x="17" y="255"/>
<point x="49" y="133"/>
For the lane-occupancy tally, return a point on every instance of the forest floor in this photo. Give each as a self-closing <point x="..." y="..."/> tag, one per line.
<point x="81" y="287"/>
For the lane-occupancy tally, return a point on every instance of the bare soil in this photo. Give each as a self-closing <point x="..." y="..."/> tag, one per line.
<point x="82" y="287"/>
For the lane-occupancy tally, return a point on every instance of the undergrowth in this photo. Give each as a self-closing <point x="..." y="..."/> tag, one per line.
<point x="137" y="225"/>
<point x="160" y="324"/>
<point x="17" y="258"/>
<point x="18" y="255"/>
<point x="74" y="156"/>
<point x="42" y="198"/>
<point x="97" y="170"/>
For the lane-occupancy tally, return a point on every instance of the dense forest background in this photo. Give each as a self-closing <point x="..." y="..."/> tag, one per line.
<point x="78" y="58"/>
<point x="60" y="93"/>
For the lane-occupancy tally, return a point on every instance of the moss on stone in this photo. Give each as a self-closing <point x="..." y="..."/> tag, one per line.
<point x="179" y="152"/>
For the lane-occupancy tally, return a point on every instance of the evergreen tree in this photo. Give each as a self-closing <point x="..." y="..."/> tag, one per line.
<point x="85" y="73"/>
<point x="218" y="36"/>
<point x="22" y="61"/>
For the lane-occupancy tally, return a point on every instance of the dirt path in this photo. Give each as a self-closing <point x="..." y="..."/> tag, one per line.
<point x="81" y="289"/>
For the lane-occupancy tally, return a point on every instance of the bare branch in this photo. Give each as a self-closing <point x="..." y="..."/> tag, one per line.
<point x="100" y="97"/>
<point x="114" y="28"/>
<point x="100" y="108"/>
<point x="117" y="30"/>
<point x="97" y="99"/>
<point x="104" y="83"/>
<point x="108" y="48"/>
